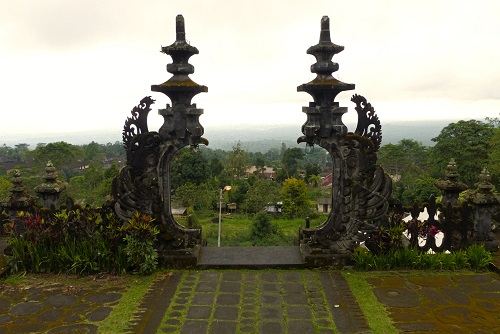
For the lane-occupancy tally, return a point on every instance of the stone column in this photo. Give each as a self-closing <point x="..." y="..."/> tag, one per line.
<point x="485" y="203"/>
<point x="51" y="189"/>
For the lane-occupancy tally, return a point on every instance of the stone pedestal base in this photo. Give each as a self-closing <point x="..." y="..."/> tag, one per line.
<point x="324" y="257"/>
<point x="179" y="258"/>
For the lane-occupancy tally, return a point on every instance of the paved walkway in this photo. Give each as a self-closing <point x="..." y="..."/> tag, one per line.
<point x="260" y="301"/>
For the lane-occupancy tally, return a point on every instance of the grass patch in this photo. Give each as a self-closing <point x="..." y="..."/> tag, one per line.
<point x="236" y="229"/>
<point x="375" y="312"/>
<point x="118" y="320"/>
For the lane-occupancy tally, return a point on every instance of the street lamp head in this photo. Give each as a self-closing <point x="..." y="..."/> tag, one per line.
<point x="227" y="188"/>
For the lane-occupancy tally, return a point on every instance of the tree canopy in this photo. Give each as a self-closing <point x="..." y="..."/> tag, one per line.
<point x="468" y="142"/>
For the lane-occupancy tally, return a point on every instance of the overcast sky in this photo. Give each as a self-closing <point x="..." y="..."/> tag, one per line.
<point x="83" y="64"/>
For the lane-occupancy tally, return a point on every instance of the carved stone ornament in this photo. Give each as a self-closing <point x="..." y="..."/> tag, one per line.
<point x="144" y="183"/>
<point x="360" y="188"/>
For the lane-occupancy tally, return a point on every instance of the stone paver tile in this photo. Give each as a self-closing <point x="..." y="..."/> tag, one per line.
<point x="293" y="287"/>
<point x="228" y="299"/>
<point x="271" y="313"/>
<point x="230" y="287"/>
<point x="226" y="313"/>
<point x="206" y="287"/>
<point x="295" y="298"/>
<point x="269" y="277"/>
<point x="193" y="326"/>
<point x="173" y="322"/>
<point x="298" y="312"/>
<point x="270" y="299"/>
<point x="209" y="276"/>
<point x="270" y="287"/>
<point x="300" y="327"/>
<point x="248" y="314"/>
<point x="248" y="329"/>
<point x="274" y="327"/>
<point x="203" y="299"/>
<point x="232" y="276"/>
<point x="223" y="327"/>
<point x="199" y="312"/>
<point x="291" y="276"/>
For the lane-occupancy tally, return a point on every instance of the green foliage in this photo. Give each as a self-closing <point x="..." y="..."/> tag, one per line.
<point x="82" y="242"/>
<point x="142" y="256"/>
<point x="494" y="157"/>
<point x="260" y="194"/>
<point x="468" y="142"/>
<point x="93" y="186"/>
<point x="475" y="257"/>
<point x="417" y="189"/>
<point x="294" y="194"/>
<point x="262" y="228"/>
<point x="407" y="161"/>
<point x="236" y="162"/>
<point x="189" y="166"/>
<point x="4" y="187"/>
<point x="60" y="153"/>
<point x="290" y="161"/>
<point x="478" y="257"/>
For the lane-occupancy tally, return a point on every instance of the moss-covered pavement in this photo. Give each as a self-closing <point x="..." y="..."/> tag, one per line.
<point x="254" y="301"/>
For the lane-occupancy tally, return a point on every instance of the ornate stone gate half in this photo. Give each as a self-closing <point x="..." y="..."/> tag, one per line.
<point x="360" y="188"/>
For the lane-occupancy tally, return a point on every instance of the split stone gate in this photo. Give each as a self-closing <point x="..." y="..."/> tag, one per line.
<point x="360" y="188"/>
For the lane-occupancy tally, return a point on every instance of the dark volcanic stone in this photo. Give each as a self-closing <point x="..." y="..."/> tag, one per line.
<point x="74" y="329"/>
<point x="104" y="298"/>
<point x="397" y="297"/>
<point x="51" y="315"/>
<point x="25" y="309"/>
<point x="60" y="300"/>
<point x="99" y="314"/>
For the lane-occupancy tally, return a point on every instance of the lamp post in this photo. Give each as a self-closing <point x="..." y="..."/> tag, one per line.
<point x="226" y="188"/>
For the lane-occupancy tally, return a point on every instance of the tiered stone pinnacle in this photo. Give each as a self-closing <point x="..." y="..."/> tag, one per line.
<point x="324" y="85"/>
<point x="181" y="120"/>
<point x="324" y="115"/>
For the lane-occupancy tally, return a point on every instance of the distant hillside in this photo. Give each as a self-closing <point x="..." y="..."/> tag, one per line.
<point x="252" y="139"/>
<point x="255" y="140"/>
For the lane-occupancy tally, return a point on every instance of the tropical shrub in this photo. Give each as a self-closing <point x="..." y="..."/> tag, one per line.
<point x="80" y="241"/>
<point x="476" y="257"/>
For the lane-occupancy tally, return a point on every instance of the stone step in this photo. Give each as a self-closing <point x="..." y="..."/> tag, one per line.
<point x="273" y="257"/>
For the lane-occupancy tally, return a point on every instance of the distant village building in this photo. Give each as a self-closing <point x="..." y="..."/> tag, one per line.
<point x="268" y="172"/>
<point x="273" y="208"/>
<point x="324" y="205"/>
<point x="327" y="180"/>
